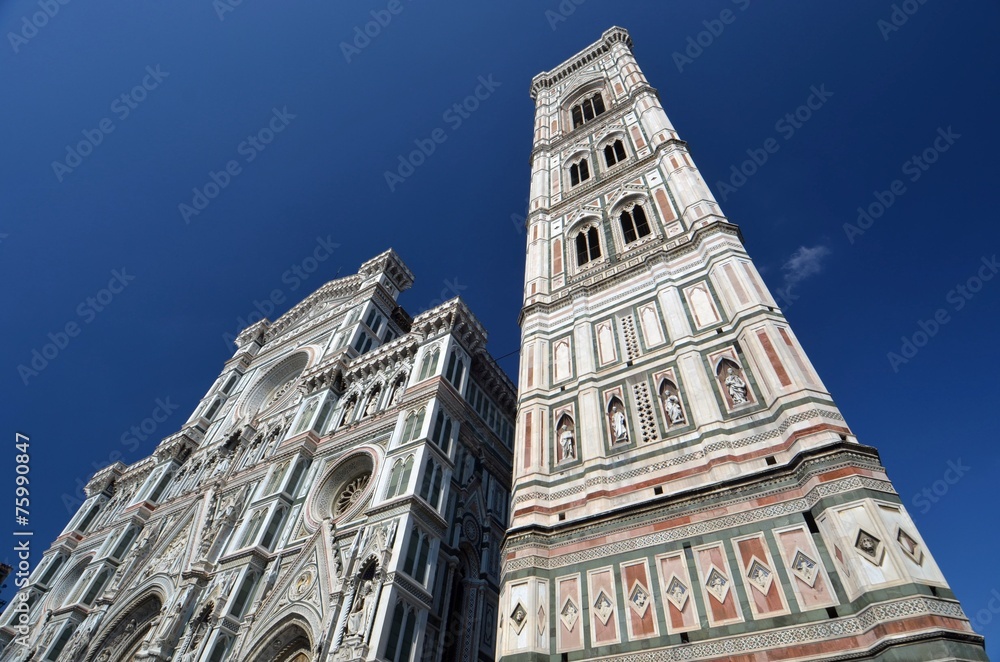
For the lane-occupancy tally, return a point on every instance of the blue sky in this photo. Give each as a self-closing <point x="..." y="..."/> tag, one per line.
<point x="99" y="242"/>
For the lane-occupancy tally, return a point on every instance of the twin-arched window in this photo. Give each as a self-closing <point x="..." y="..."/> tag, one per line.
<point x="587" y="110"/>
<point x="413" y="425"/>
<point x="579" y="172"/>
<point x="588" y="246"/>
<point x="614" y="153"/>
<point x="399" y="479"/>
<point x="634" y="224"/>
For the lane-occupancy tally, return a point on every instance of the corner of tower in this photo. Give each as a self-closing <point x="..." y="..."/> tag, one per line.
<point x="391" y="265"/>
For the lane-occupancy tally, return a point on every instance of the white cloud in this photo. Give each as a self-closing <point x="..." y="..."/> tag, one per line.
<point x="800" y="265"/>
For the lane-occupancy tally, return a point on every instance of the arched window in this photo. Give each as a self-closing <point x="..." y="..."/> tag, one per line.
<point x="587" y="110"/>
<point x="124" y="543"/>
<point x="454" y="371"/>
<point x="588" y="247"/>
<point x="413" y="425"/>
<point x="442" y="431"/>
<point x="429" y="365"/>
<point x="400" y="639"/>
<point x="210" y="414"/>
<point x="415" y="564"/>
<point x="324" y="416"/>
<point x="579" y="172"/>
<point x="634" y="224"/>
<point x="614" y="153"/>
<point x="397" y="470"/>
<point x="252" y="528"/>
<point x="96" y="587"/>
<point x="273" y="528"/>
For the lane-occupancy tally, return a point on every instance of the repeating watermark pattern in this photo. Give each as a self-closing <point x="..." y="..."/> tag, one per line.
<point x="928" y="496"/>
<point x="451" y="290"/>
<point x="804" y="263"/>
<point x="249" y="149"/>
<point x="518" y="221"/>
<point x="786" y="127"/>
<point x="364" y="34"/>
<point x="959" y="296"/>
<point x="122" y="107"/>
<point x="898" y="17"/>
<point x="985" y="616"/>
<point x="913" y="168"/>
<point x="454" y="116"/>
<point x="292" y="278"/>
<point x="22" y="515"/>
<point x="87" y="312"/>
<point x="223" y="7"/>
<point x="562" y="12"/>
<point x="30" y="25"/>
<point x="714" y="28"/>
<point x="131" y="439"/>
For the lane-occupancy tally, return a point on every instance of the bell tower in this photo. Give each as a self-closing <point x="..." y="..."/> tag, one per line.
<point x="684" y="485"/>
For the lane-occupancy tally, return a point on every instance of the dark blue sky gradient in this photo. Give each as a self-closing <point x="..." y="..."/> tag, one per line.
<point x="323" y="176"/>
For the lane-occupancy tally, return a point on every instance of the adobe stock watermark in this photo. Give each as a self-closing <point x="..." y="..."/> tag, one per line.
<point x="959" y="296"/>
<point x="87" y="311"/>
<point x="122" y="107"/>
<point x="927" y="497"/>
<point x="786" y="127"/>
<point x="451" y="290"/>
<point x="292" y="278"/>
<point x="454" y="116"/>
<point x="364" y="34"/>
<point x="898" y="17"/>
<point x="31" y="24"/>
<point x="913" y="168"/>
<point x="249" y="149"/>
<point x="562" y="12"/>
<point x="130" y="439"/>
<point x="985" y="616"/>
<point x="714" y="28"/>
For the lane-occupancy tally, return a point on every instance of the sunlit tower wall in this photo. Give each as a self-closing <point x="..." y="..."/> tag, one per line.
<point x="684" y="487"/>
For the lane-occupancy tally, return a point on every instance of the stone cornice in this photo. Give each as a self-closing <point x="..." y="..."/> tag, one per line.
<point x="599" y="48"/>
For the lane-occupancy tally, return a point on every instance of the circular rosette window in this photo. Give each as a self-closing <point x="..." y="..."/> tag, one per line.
<point x="346" y="489"/>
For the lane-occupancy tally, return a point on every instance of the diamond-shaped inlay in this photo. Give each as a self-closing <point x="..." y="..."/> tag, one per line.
<point x="638" y="599"/>
<point x="717" y="584"/>
<point x="540" y="623"/>
<point x="804" y="568"/>
<point x="569" y="614"/>
<point x="519" y="617"/>
<point x="869" y="546"/>
<point x="603" y="607"/>
<point x="760" y="576"/>
<point x="677" y="592"/>
<point x="910" y="547"/>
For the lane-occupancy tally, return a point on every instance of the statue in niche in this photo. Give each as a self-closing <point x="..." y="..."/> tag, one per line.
<point x="372" y="404"/>
<point x="397" y="393"/>
<point x="737" y="387"/>
<point x="674" y="411"/>
<point x="567" y="442"/>
<point x="349" y="411"/>
<point x="618" y="423"/>
<point x="363" y="603"/>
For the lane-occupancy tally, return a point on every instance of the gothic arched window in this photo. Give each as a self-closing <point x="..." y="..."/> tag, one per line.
<point x="634" y="224"/>
<point x="430" y="363"/>
<point x="614" y="153"/>
<point x="412" y="426"/>
<point x="588" y="246"/>
<point x="579" y="172"/>
<point x="587" y="110"/>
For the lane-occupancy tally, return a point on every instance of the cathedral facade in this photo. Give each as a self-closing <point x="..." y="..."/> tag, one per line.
<point x="685" y="487"/>
<point x="340" y="493"/>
